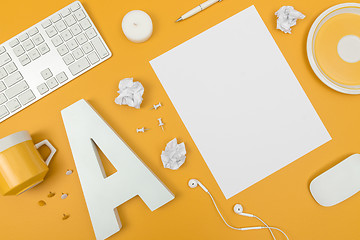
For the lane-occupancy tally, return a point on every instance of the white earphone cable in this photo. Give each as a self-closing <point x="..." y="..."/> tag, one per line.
<point x="280" y="231"/>
<point x="272" y="234"/>
<point x="248" y="228"/>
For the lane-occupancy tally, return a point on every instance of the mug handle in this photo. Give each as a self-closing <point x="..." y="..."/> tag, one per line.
<point x="51" y="147"/>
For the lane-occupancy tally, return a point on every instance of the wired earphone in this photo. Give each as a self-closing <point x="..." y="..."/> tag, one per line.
<point x="238" y="209"/>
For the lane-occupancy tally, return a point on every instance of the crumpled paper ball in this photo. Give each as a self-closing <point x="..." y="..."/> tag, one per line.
<point x="130" y="93"/>
<point x="287" y="17"/>
<point x="174" y="155"/>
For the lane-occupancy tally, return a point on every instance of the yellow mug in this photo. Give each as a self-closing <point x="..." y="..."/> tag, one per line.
<point x="21" y="165"/>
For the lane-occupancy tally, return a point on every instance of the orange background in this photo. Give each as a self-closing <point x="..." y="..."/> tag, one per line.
<point x="282" y="200"/>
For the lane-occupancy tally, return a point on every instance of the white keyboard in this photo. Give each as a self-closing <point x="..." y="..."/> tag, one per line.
<point x="46" y="56"/>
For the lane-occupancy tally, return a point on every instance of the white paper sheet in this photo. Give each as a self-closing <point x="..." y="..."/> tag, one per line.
<point x="240" y="101"/>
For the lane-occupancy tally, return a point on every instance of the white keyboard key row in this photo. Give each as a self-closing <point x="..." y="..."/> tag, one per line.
<point x="52" y="82"/>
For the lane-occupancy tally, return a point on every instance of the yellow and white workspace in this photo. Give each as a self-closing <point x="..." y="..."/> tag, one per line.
<point x="215" y="119"/>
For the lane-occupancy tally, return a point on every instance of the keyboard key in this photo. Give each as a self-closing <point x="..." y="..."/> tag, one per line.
<point x="90" y="33"/>
<point x="57" y="41"/>
<point x="42" y="88"/>
<point x="93" y="57"/>
<point x="18" y="50"/>
<point x="34" y="54"/>
<point x="26" y="97"/>
<point x="64" y="12"/>
<point x="70" y="20"/>
<point x="3" y="112"/>
<point x="87" y="48"/>
<point x="77" y="53"/>
<point x="33" y="31"/>
<point x="24" y="59"/>
<point x="28" y="45"/>
<point x="4" y="59"/>
<point x="81" y="38"/>
<point x="74" y="6"/>
<point x="16" y="89"/>
<point x="99" y="46"/>
<point x="61" y="77"/>
<point x="3" y="73"/>
<point x="2" y="98"/>
<point x="12" y="79"/>
<point x="2" y="49"/>
<point x="2" y="86"/>
<point x="60" y="26"/>
<point x="46" y="23"/>
<point x="51" y="31"/>
<point x="13" y="105"/>
<point x="14" y="42"/>
<point x="85" y="24"/>
<point x="72" y="44"/>
<point x="68" y="59"/>
<point x="11" y="67"/>
<point x="38" y="39"/>
<point x="62" y="50"/>
<point x="52" y="82"/>
<point x="79" y="14"/>
<point x="79" y="66"/>
<point x="23" y="37"/>
<point x="75" y="29"/>
<point x="44" y="48"/>
<point x="66" y="35"/>
<point x="56" y="17"/>
<point x="46" y="74"/>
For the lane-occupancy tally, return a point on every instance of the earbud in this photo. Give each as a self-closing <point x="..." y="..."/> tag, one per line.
<point x="193" y="183"/>
<point x="238" y="209"/>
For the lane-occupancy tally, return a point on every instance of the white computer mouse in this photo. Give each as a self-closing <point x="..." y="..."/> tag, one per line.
<point x="338" y="183"/>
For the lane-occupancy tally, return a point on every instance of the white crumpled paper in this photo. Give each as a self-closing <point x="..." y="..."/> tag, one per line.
<point x="174" y="155"/>
<point x="130" y="93"/>
<point x="287" y="17"/>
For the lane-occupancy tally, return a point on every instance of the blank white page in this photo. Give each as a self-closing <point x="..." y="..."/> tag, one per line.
<point x="240" y="101"/>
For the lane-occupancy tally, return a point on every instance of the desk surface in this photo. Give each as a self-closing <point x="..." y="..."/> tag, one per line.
<point x="282" y="200"/>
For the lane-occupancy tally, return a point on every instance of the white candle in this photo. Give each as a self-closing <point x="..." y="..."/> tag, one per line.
<point x="137" y="26"/>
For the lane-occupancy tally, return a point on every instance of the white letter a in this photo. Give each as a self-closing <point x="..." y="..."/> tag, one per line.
<point x="103" y="194"/>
